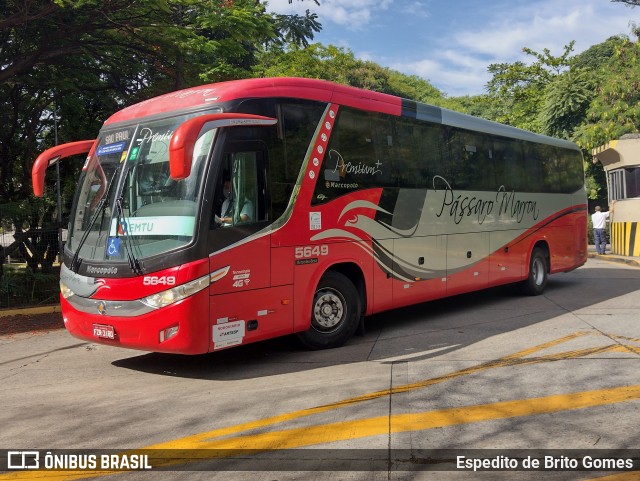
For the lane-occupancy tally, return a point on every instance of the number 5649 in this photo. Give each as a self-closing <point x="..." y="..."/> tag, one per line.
<point x="311" y="251"/>
<point x="159" y="281"/>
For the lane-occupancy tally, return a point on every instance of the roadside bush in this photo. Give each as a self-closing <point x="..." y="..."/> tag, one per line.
<point x="21" y="287"/>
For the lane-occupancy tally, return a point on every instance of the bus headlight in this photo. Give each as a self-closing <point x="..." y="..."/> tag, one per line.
<point x="65" y="291"/>
<point x="175" y="294"/>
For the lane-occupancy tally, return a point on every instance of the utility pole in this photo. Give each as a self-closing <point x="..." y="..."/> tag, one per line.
<point x="59" y="198"/>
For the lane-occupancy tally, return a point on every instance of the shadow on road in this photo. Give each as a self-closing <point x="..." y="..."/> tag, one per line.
<point x="432" y="328"/>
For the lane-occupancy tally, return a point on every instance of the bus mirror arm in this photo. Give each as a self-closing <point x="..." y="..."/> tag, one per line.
<point x="51" y="156"/>
<point x="184" y="138"/>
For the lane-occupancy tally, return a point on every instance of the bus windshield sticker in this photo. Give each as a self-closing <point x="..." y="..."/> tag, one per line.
<point x="133" y="155"/>
<point x="315" y="221"/>
<point x="111" y="148"/>
<point x="168" y="225"/>
<point x="113" y="246"/>
<point x="147" y="135"/>
<point x="117" y="137"/>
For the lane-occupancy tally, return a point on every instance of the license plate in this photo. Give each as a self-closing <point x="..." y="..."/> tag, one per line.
<point x="106" y="332"/>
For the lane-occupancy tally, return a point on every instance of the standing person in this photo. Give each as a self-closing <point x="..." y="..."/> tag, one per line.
<point x="599" y="220"/>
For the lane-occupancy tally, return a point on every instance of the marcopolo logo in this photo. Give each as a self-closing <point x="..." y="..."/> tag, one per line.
<point x="101" y="270"/>
<point x="23" y="460"/>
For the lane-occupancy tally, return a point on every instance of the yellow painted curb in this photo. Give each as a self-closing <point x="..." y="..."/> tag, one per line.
<point x="614" y="258"/>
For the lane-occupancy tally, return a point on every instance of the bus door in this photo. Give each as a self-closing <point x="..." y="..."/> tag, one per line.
<point x="243" y="306"/>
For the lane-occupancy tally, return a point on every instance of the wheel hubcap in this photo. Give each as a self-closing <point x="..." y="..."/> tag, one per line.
<point x="537" y="271"/>
<point x="328" y="310"/>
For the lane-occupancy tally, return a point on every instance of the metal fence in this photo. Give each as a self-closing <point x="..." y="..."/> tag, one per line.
<point x="29" y="274"/>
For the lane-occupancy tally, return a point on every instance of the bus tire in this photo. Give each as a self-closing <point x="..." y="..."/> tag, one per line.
<point x="538" y="274"/>
<point x="335" y="313"/>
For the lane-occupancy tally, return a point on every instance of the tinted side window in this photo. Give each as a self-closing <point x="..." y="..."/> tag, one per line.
<point x="575" y="170"/>
<point x="359" y="155"/>
<point x="563" y="170"/>
<point x="534" y="155"/>
<point x="297" y="122"/>
<point x="418" y="155"/>
<point x="287" y="143"/>
<point x="509" y="164"/>
<point x="473" y="161"/>
<point x="632" y="181"/>
<point x="486" y="162"/>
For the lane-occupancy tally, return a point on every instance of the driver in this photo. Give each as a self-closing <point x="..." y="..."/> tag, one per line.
<point x="226" y="212"/>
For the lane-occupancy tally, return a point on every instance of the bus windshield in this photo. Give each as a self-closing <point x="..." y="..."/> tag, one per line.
<point x="127" y="203"/>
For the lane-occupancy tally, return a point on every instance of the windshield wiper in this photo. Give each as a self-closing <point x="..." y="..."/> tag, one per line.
<point x="76" y="262"/>
<point x="134" y="264"/>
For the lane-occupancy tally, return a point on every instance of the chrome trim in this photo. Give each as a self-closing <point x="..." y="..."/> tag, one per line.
<point x="137" y="307"/>
<point x="219" y="274"/>
<point x="80" y="285"/>
<point x="109" y="308"/>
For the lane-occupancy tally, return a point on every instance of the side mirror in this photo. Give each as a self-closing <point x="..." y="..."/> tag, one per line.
<point x="184" y="138"/>
<point x="51" y="156"/>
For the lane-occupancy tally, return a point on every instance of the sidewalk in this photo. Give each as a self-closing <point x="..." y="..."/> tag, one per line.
<point x="630" y="261"/>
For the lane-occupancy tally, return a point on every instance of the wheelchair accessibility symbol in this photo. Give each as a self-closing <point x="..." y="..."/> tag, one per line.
<point x="113" y="246"/>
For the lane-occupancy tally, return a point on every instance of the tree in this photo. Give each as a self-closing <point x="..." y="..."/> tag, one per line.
<point x="615" y="109"/>
<point x="340" y="65"/>
<point x="296" y="29"/>
<point x="631" y="3"/>
<point x="415" y="88"/>
<point x="552" y="95"/>
<point x="88" y="58"/>
<point x="566" y="100"/>
<point x="596" y="56"/>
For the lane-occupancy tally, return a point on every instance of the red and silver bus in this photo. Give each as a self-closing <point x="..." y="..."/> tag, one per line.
<point x="240" y="211"/>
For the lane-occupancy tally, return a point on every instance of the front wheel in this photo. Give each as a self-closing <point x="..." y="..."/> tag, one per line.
<point x="538" y="274"/>
<point x="335" y="313"/>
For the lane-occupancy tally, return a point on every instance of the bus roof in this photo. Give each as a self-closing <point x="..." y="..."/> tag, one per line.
<point x="322" y="91"/>
<point x="302" y="88"/>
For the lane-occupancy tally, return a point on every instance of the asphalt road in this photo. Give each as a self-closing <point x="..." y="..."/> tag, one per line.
<point x="513" y="376"/>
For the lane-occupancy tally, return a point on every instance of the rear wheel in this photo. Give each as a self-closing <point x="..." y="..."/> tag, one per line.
<point x="335" y="313"/>
<point x="538" y="273"/>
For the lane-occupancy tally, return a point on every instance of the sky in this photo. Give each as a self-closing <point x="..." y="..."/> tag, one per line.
<point x="451" y="43"/>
